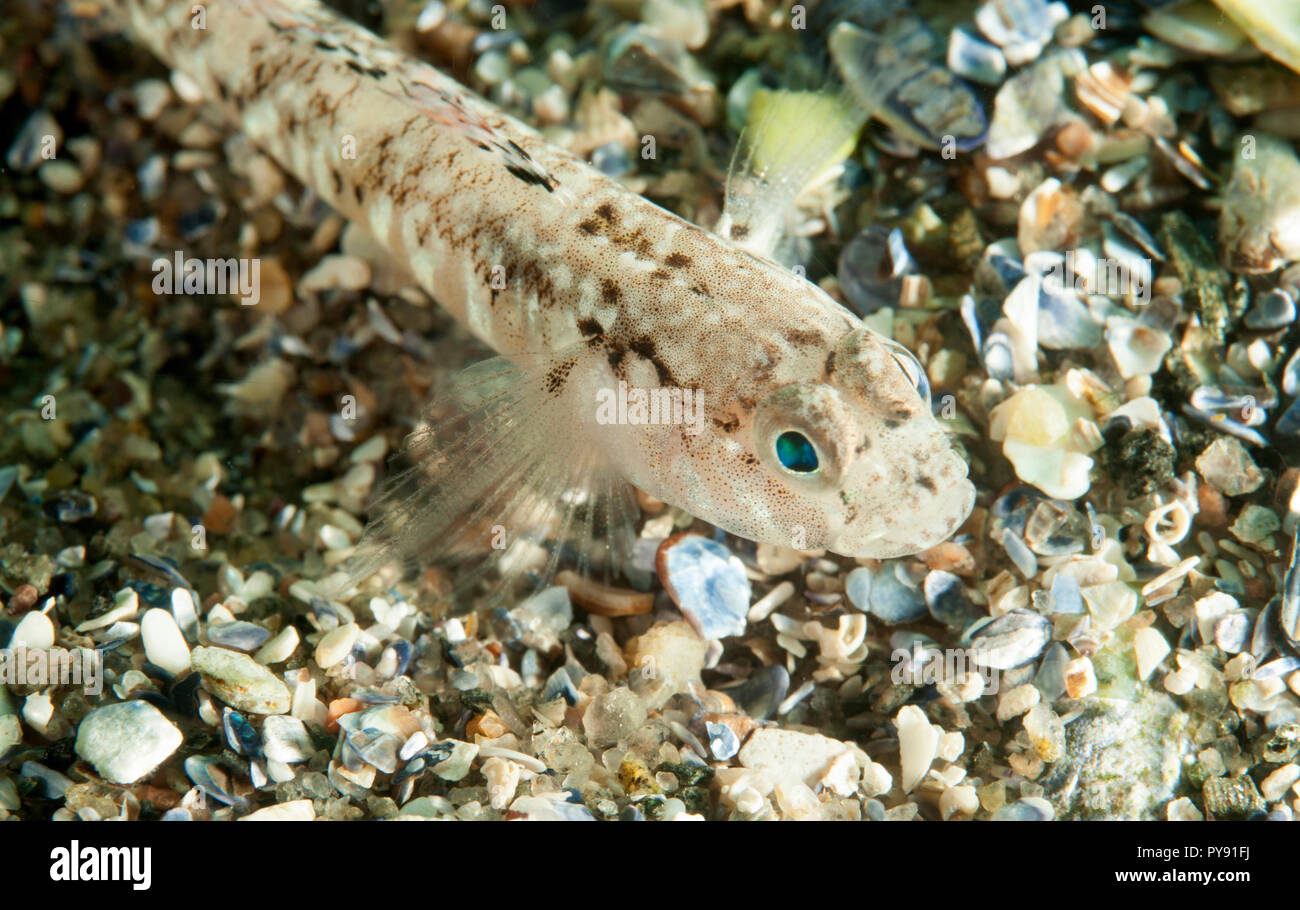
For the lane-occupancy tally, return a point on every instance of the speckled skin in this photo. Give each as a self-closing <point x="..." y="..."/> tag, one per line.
<point x="610" y="285"/>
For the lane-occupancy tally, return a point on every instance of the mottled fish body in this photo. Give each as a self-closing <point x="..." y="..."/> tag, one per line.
<point x="815" y="432"/>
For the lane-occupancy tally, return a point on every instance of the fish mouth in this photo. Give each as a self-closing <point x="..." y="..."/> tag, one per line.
<point x="908" y="535"/>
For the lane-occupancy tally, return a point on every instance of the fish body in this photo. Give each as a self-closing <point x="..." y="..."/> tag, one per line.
<point x="584" y="288"/>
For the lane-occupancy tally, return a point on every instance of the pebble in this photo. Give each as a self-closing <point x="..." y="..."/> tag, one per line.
<point x="23" y="599"/>
<point x="125" y="742"/>
<point x="164" y="645"/>
<point x="126" y="604"/>
<point x="1011" y="640"/>
<point x="613" y="716"/>
<point x="1272" y="310"/>
<point x="456" y="765"/>
<point x="857" y="585"/>
<point x="62" y="176"/>
<point x="238" y="635"/>
<point x="240" y="682"/>
<point x="1228" y="467"/>
<point x="948" y="601"/>
<point x="918" y="744"/>
<point x="285" y="739"/>
<point x="35" y="631"/>
<point x="1149" y="649"/>
<point x="336" y="645"/>
<point x="762" y="693"/>
<point x="348" y="273"/>
<point x="670" y="654"/>
<point x="707" y="583"/>
<point x="893" y="600"/>
<point x="298" y="810"/>
<point x="790" y="756"/>
<point x="280" y="648"/>
<point x="1026" y="809"/>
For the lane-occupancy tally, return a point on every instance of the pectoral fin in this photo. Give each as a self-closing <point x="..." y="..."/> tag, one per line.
<point x="509" y="486"/>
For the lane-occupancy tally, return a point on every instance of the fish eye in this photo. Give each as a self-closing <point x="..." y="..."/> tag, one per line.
<point x="796" y="453"/>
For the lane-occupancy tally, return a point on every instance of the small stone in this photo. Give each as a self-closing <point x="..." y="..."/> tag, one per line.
<point x="1046" y="732"/>
<point x="11" y="733"/>
<point x="1232" y="798"/>
<point x="893" y="600"/>
<point x="1276" y="785"/>
<point x="1110" y="604"/>
<point x="456" y="765"/>
<point x="164" y="645"/>
<point x="23" y="599"/>
<point x="1012" y="640"/>
<point x="35" y="631"/>
<point x="126" y="604"/>
<point x="62" y="176"/>
<point x="1254" y="524"/>
<point x="126" y="741"/>
<point x="1080" y="678"/>
<point x="1149" y="649"/>
<point x="1183" y="810"/>
<point x="1228" y="467"/>
<point x="671" y="653"/>
<point x="336" y="645"/>
<point x="285" y="739"/>
<point x="857" y="585"/>
<point x="240" y="682"/>
<point x="280" y="648"/>
<point x="918" y="744"/>
<point x="298" y="810"/>
<point x="706" y="582"/>
<point x="612" y="717"/>
<point x="349" y="273"/>
<point x="793" y="757"/>
<point x="238" y="635"/>
<point x="1016" y="701"/>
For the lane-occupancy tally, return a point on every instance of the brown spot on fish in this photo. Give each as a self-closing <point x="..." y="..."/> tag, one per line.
<point x="610" y="291"/>
<point x="739" y="232"/>
<point x="589" y="227"/>
<point x="677" y="260"/>
<point x="606" y="211"/>
<point x="926" y="484"/>
<point x="590" y="327"/>
<point x="558" y="375"/>
<point x="802" y="337"/>
<point x="645" y="347"/>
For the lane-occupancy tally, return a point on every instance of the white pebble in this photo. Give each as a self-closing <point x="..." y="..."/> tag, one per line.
<point x="35" y="631"/>
<point x="164" y="645"/>
<point x="1080" y="678"/>
<point x="962" y="802"/>
<point x="126" y="604"/>
<point x="918" y="744"/>
<point x="1149" y="648"/>
<point x="1183" y="810"/>
<point x="349" y="273"/>
<point x="1274" y="786"/>
<point x="278" y="648"/>
<point x="1017" y="701"/>
<point x="335" y="645"/>
<point x="299" y="810"/>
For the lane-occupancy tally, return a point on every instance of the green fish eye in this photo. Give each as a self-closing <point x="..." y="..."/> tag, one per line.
<point x="796" y="453"/>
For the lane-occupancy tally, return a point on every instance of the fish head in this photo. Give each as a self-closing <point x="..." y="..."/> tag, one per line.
<point x="856" y="462"/>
